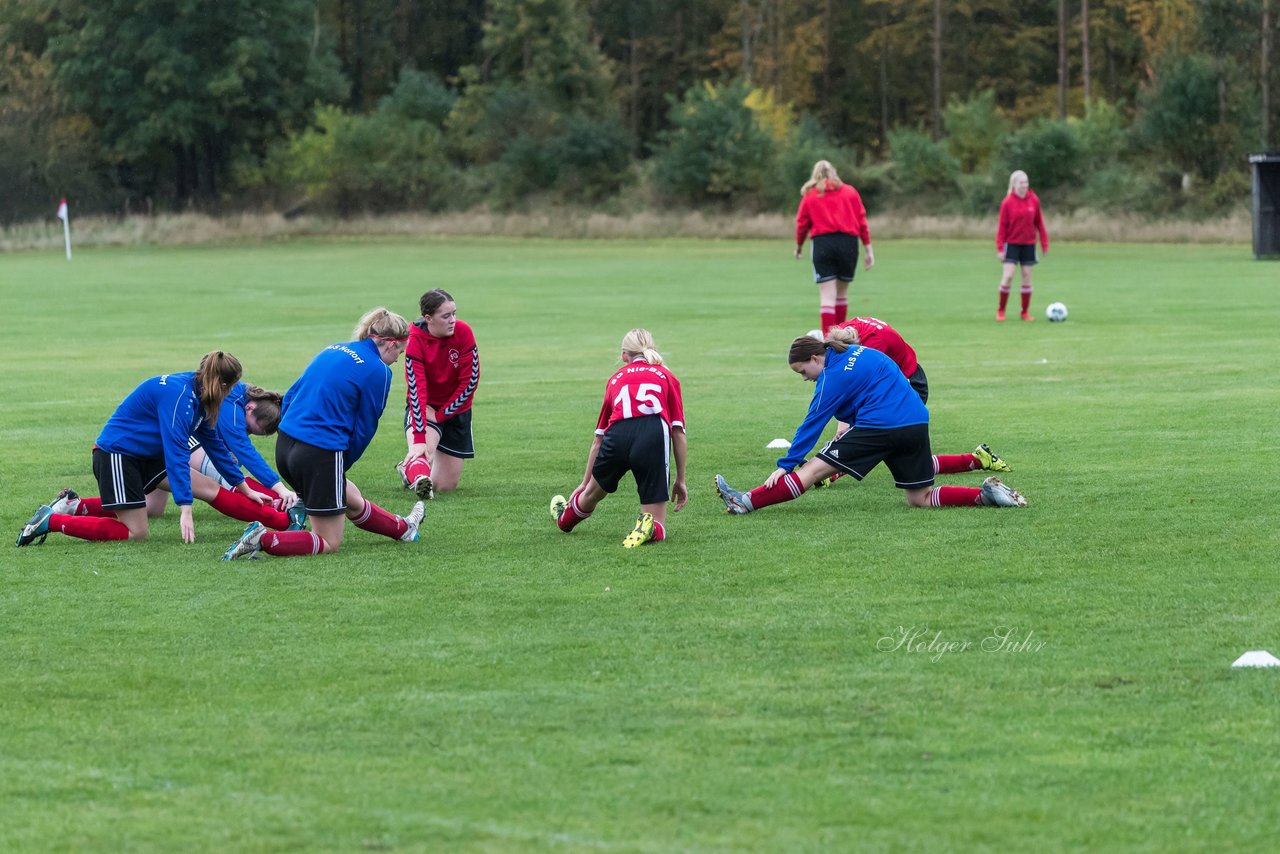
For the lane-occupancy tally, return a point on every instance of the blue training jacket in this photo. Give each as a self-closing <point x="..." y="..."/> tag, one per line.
<point x="235" y="435"/>
<point x="336" y="403"/>
<point x="861" y="387"/>
<point x="158" y="419"/>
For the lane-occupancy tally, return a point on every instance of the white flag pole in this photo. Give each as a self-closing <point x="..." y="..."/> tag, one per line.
<point x="66" y="225"/>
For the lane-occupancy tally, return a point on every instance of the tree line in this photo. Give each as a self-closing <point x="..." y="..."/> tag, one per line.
<point x="375" y="105"/>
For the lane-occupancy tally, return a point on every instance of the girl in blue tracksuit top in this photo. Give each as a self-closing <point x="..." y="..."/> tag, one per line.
<point x="330" y="416"/>
<point x="888" y="423"/>
<point x="247" y="411"/>
<point x="145" y="446"/>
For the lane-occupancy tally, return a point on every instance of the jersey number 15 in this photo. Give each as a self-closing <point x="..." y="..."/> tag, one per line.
<point x="646" y="402"/>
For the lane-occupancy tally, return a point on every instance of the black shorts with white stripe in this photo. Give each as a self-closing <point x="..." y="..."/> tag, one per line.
<point x="124" y="481"/>
<point x="904" y="451"/>
<point x="641" y="446"/>
<point x="317" y="475"/>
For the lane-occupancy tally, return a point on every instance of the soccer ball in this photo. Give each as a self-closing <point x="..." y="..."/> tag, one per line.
<point x="1056" y="312"/>
<point x="815" y="334"/>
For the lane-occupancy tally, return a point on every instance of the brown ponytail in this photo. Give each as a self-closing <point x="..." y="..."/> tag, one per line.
<point x="217" y="373"/>
<point x="804" y="348"/>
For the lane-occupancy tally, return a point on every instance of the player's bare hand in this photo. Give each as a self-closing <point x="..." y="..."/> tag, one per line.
<point x="288" y="498"/>
<point x="870" y="260"/>
<point x="774" y="477"/>
<point x="799" y="250"/>
<point x="418" y="450"/>
<point x="186" y="525"/>
<point x="680" y="494"/>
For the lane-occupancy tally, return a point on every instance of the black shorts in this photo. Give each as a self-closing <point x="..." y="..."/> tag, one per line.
<point x="835" y="256"/>
<point x="318" y="476"/>
<point x="455" y="435"/>
<point x="920" y="383"/>
<point x="641" y="446"/>
<point x="904" y="450"/>
<point x="124" y="481"/>
<point x="1020" y="253"/>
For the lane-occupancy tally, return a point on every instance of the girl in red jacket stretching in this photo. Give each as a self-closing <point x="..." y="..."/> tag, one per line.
<point x="441" y="372"/>
<point x="832" y="212"/>
<point x="1020" y="222"/>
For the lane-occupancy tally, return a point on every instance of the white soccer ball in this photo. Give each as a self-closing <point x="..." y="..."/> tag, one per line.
<point x="815" y="334"/>
<point x="1056" y="312"/>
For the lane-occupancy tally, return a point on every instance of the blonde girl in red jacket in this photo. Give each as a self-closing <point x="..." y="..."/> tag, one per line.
<point x="1020" y="222"/>
<point x="832" y="212"/>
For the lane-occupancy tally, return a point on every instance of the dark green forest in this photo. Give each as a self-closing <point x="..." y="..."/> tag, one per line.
<point x="358" y="106"/>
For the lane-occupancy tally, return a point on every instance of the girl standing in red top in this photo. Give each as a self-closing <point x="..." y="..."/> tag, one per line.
<point x="832" y="212"/>
<point x="1020" y="222"/>
<point x="441" y="372"/>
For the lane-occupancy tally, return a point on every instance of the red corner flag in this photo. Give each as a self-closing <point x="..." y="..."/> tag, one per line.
<point x="66" y="225"/>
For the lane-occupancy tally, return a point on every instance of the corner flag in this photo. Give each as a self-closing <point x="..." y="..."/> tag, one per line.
<point x="66" y="225"/>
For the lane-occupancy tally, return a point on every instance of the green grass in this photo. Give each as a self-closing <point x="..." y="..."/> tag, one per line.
<point x="500" y="686"/>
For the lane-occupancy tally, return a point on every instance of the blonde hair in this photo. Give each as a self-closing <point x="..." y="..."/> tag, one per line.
<point x="639" y="342"/>
<point x="839" y="338"/>
<point x="825" y="176"/>
<point x="217" y="373"/>
<point x="381" y="323"/>
<point x="1014" y="176"/>
<point x="266" y="408"/>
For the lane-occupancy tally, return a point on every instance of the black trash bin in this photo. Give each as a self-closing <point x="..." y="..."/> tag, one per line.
<point x="1266" y="204"/>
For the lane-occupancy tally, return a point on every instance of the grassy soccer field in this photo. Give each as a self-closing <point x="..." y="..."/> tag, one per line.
<point x="838" y="673"/>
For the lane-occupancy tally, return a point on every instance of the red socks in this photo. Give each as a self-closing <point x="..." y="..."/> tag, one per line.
<point x="1026" y="299"/>
<point x="953" y="463"/>
<point x="236" y="506"/>
<point x="291" y="543"/>
<point x="659" y="532"/>
<point x="828" y="319"/>
<point x="374" y="519"/>
<point x="89" y="527"/>
<point x="1004" y="298"/>
<point x="572" y="515"/>
<point x="955" y="496"/>
<point x="92" y="507"/>
<point x="842" y="310"/>
<point x="416" y="469"/>
<point x="788" y="488"/>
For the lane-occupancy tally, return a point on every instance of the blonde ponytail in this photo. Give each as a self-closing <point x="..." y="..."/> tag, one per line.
<point x="639" y="342"/>
<point x="381" y="323"/>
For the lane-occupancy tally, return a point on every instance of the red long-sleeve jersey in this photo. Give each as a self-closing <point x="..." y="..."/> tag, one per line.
<point x="641" y="389"/>
<point x="441" y="373"/>
<point x="1020" y="220"/>
<point x="837" y="210"/>
<point x="879" y="335"/>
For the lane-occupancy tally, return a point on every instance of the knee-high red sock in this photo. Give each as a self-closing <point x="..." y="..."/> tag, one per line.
<point x="291" y="543"/>
<point x="952" y="463"/>
<point x="1026" y="300"/>
<point x="89" y="527"/>
<point x="827" y="319"/>
<point x="955" y="496"/>
<point x="572" y="514"/>
<point x="92" y="507"/>
<point x="374" y="519"/>
<point x="236" y="506"/>
<point x="842" y="310"/>
<point x="418" y="468"/>
<point x="264" y="491"/>
<point x="1004" y="298"/>
<point x="788" y="488"/>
